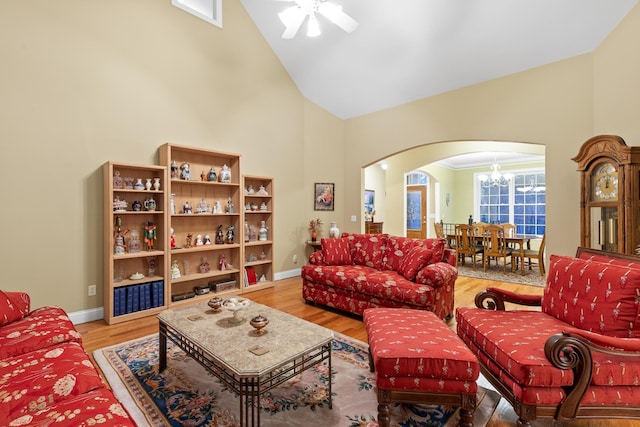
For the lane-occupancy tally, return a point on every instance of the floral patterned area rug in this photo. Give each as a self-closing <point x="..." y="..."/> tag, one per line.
<point x="185" y="394"/>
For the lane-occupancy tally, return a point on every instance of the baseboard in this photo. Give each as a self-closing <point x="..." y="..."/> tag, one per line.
<point x="92" y="314"/>
<point x="287" y="274"/>
<point x="85" y="316"/>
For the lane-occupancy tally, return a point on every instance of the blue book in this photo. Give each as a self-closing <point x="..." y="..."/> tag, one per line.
<point x="147" y="295"/>
<point x="116" y="302"/>
<point x="123" y="300"/>
<point x="136" y="298"/>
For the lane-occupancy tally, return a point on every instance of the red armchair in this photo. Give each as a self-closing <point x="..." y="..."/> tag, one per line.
<point x="577" y="355"/>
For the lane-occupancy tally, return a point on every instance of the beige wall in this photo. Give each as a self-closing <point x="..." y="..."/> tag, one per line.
<point x="84" y="82"/>
<point x="550" y="105"/>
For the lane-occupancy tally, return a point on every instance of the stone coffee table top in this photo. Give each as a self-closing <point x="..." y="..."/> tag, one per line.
<point x="237" y="344"/>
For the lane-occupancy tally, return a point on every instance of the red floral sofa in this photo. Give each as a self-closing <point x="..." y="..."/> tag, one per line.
<point x="360" y="271"/>
<point x="46" y="377"/>
<point x="575" y="356"/>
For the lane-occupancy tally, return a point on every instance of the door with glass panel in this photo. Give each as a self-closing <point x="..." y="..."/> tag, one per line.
<point x="416" y="211"/>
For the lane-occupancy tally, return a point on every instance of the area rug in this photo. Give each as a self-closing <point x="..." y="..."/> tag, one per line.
<point x="185" y="394"/>
<point x="531" y="277"/>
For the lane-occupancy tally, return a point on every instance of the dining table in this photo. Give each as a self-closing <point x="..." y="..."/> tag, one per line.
<point x="517" y="242"/>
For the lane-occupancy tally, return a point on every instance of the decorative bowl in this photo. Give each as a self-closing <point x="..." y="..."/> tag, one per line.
<point x="259" y="322"/>
<point x="236" y="305"/>
<point x="215" y="303"/>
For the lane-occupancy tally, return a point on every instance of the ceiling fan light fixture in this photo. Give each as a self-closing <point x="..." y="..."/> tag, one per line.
<point x="294" y="16"/>
<point x="313" y="28"/>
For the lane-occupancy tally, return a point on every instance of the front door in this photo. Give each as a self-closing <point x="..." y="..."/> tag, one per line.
<point x="417" y="211"/>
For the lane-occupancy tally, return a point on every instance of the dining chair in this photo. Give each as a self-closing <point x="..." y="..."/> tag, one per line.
<point x="537" y="254"/>
<point x="466" y="243"/>
<point x="495" y="246"/>
<point x="439" y="230"/>
<point x="509" y="229"/>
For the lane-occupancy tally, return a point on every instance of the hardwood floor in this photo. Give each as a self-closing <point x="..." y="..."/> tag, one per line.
<point x="286" y="296"/>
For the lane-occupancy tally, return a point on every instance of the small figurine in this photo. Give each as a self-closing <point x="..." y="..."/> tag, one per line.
<point x="136" y="206"/>
<point x="189" y="240"/>
<point x="263" y="278"/>
<point x="174" y="170"/>
<point x="262" y="191"/>
<point x="263" y="206"/>
<point x="223" y="262"/>
<point x="252" y="233"/>
<point x="225" y="174"/>
<point x="207" y="239"/>
<point x="119" y="246"/>
<point x="217" y="208"/>
<point x="250" y="190"/>
<point x="203" y="207"/>
<point x="117" y="180"/>
<point x="199" y="241"/>
<point x="230" y="235"/>
<point x="203" y="176"/>
<point x="263" y="256"/>
<point x="175" y="270"/>
<point x="229" y="206"/>
<point x="119" y="205"/>
<point x="186" y="208"/>
<point x="204" y="267"/>
<point x="185" y="173"/>
<point x="173" y="239"/>
<point x="150" y="235"/>
<point x="262" y="232"/>
<point x="212" y="177"/>
<point x="247" y="207"/>
<point x="134" y="242"/>
<point x="219" y="236"/>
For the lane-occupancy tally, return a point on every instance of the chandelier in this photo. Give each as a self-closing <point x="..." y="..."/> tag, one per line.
<point x="496" y="179"/>
<point x="294" y="16"/>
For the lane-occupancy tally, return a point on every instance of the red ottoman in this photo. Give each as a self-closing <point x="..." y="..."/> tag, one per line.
<point x="418" y="359"/>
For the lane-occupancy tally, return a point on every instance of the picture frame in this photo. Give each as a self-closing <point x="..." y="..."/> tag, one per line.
<point x="323" y="196"/>
<point x="369" y="201"/>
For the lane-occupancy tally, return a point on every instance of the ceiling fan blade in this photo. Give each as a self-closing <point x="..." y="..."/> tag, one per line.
<point x="292" y="18"/>
<point x="335" y="14"/>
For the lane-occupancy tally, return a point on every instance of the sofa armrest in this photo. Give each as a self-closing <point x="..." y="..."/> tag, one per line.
<point x="20" y="300"/>
<point x="316" y="258"/>
<point x="437" y="275"/>
<point x="494" y="299"/>
<point x="573" y="350"/>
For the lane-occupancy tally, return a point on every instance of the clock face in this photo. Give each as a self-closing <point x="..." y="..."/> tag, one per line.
<point x="605" y="182"/>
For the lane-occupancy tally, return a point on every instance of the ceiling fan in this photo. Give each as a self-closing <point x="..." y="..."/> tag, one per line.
<point x="294" y="16"/>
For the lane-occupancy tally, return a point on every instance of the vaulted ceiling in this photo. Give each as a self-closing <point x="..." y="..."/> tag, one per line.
<point x="405" y="50"/>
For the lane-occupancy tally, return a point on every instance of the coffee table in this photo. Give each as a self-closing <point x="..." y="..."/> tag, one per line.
<point x="247" y="362"/>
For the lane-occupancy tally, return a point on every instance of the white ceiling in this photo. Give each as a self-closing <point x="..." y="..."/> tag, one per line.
<point x="474" y="160"/>
<point x="404" y="50"/>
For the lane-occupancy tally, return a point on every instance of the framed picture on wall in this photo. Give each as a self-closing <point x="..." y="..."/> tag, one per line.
<point x="369" y="201"/>
<point x="323" y="196"/>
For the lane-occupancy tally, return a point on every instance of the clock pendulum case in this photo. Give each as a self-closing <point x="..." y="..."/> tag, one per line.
<point x="609" y="194"/>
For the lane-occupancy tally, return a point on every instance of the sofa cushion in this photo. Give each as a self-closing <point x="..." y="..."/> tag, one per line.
<point x="397" y="247"/>
<point x="593" y="296"/>
<point x="43" y="327"/>
<point x="340" y="276"/>
<point x="336" y="251"/>
<point x="414" y="261"/>
<point x="36" y="380"/>
<point x="514" y="340"/>
<point x="9" y="312"/>
<point x="98" y="407"/>
<point x="367" y="249"/>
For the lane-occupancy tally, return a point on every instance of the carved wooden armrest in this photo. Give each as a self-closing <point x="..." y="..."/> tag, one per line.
<point x="571" y="350"/>
<point x="494" y="299"/>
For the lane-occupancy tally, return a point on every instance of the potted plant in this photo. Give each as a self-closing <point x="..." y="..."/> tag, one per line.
<point x="314" y="227"/>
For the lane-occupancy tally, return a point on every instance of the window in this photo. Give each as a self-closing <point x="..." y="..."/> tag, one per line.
<point x="208" y="10"/>
<point x="522" y="202"/>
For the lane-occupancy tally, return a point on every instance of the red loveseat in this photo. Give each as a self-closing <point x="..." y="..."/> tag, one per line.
<point x="46" y="377"/>
<point x="360" y="271"/>
<point x="578" y="354"/>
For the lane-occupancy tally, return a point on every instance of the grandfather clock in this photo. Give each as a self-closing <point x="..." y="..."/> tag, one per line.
<point x="610" y="194"/>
